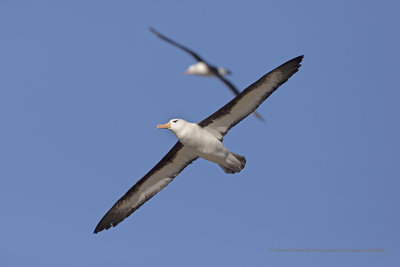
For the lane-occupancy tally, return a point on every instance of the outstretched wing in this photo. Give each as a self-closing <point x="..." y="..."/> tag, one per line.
<point x="196" y="56"/>
<point x="247" y="101"/>
<point x="152" y="183"/>
<point x="235" y="91"/>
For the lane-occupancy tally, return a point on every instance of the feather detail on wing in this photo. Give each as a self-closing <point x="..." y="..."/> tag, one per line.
<point x="152" y="183"/>
<point x="236" y="92"/>
<point x="220" y="122"/>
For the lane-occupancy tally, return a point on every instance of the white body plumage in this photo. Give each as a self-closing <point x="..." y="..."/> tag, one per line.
<point x="202" y="69"/>
<point x="205" y="145"/>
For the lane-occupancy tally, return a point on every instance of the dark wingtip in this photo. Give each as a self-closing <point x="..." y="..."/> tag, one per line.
<point x="98" y="229"/>
<point x="105" y="223"/>
<point x="101" y="226"/>
<point x="111" y="219"/>
<point x="153" y="30"/>
<point x="296" y="59"/>
<point x="299" y="58"/>
<point x="291" y="67"/>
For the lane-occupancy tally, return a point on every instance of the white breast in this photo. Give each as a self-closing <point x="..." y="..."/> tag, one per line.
<point x="202" y="142"/>
<point x="200" y="68"/>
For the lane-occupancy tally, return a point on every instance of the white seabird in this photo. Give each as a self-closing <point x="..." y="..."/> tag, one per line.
<point x="205" y="144"/>
<point x="203" y="139"/>
<point x="202" y="68"/>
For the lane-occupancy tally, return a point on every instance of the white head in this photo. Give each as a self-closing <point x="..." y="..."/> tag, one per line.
<point x="175" y="125"/>
<point x="200" y="68"/>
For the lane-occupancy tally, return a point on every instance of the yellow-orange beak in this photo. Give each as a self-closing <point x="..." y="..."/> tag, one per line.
<point x="186" y="72"/>
<point x="164" y="126"/>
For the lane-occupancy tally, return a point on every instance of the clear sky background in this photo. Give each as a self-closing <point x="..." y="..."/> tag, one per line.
<point x="84" y="83"/>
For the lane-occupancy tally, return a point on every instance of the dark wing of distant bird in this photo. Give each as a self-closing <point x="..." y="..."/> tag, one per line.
<point x="220" y="122"/>
<point x="196" y="56"/>
<point x="227" y="83"/>
<point x="152" y="183"/>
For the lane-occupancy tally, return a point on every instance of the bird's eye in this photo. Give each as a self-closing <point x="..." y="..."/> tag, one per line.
<point x="174" y="121"/>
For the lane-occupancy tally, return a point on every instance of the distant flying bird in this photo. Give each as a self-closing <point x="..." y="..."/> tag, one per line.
<point x="203" y="139"/>
<point x="202" y="68"/>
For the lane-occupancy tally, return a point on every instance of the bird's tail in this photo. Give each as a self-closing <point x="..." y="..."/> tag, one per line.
<point x="222" y="71"/>
<point x="236" y="164"/>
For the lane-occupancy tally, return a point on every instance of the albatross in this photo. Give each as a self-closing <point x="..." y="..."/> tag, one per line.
<point x="203" y="139"/>
<point x="202" y="68"/>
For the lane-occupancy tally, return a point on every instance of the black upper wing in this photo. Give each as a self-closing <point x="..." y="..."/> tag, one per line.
<point x="196" y="56"/>
<point x="152" y="183"/>
<point x="247" y="101"/>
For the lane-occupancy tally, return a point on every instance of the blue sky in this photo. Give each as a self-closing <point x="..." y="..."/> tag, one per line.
<point x="84" y="83"/>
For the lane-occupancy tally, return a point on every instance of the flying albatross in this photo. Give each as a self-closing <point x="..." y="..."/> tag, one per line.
<point x="203" y="139"/>
<point x="202" y="68"/>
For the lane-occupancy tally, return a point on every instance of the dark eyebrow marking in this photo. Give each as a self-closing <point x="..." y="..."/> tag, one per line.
<point x="174" y="120"/>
